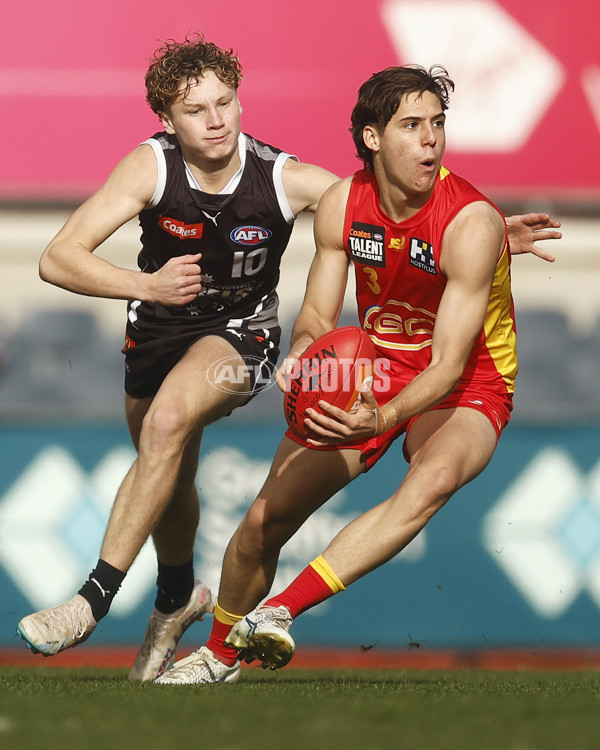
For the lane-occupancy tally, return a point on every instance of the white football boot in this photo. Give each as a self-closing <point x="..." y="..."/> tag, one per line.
<point x="157" y="652"/>
<point x="200" y="668"/>
<point x="263" y="635"/>
<point x="52" y="630"/>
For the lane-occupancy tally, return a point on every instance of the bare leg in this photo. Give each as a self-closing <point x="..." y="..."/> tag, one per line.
<point x="158" y="493"/>
<point x="299" y="482"/>
<point x="448" y="448"/>
<point x="174" y="535"/>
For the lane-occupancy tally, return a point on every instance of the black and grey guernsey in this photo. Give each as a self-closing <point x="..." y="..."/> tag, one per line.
<point x="241" y="232"/>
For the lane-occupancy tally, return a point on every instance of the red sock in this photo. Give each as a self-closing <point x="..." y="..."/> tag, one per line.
<point x="304" y="592"/>
<point x="220" y="630"/>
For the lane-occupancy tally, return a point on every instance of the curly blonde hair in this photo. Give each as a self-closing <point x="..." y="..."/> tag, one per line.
<point x="178" y="62"/>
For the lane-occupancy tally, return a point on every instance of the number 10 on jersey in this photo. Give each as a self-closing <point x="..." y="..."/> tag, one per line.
<point x="248" y="262"/>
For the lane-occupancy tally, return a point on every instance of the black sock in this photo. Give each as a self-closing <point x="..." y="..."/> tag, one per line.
<point x="175" y="584"/>
<point x="101" y="587"/>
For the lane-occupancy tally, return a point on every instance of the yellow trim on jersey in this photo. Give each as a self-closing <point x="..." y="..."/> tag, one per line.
<point x="226" y="617"/>
<point x="500" y="336"/>
<point x="322" y="567"/>
<point x="400" y="347"/>
<point x="444" y="172"/>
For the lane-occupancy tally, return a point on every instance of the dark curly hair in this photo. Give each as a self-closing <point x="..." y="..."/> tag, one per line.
<point x="177" y="62"/>
<point x="380" y="97"/>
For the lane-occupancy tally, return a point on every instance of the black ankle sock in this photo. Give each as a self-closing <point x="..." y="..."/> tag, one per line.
<point x="101" y="587"/>
<point x="175" y="584"/>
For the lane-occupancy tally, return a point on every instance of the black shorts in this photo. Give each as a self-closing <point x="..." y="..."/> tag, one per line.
<point x="148" y="360"/>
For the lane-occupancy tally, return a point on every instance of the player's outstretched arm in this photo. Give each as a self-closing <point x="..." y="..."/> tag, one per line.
<point x="524" y="230"/>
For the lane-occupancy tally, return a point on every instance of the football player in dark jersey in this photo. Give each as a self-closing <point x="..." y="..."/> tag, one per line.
<point x="216" y="209"/>
<point x="204" y="293"/>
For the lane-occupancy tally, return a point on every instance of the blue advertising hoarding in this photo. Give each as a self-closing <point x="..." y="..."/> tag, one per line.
<point x="513" y="560"/>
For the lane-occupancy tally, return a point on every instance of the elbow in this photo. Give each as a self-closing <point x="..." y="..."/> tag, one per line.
<point x="450" y="374"/>
<point x="44" y="270"/>
<point x="454" y="373"/>
<point x="47" y="270"/>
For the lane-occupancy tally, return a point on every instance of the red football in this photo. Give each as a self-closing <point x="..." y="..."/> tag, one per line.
<point x="332" y="369"/>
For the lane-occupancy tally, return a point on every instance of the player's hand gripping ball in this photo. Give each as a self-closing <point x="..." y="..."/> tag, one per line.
<point x="334" y="368"/>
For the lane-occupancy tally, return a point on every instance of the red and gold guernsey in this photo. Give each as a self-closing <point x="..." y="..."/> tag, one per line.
<point x="399" y="284"/>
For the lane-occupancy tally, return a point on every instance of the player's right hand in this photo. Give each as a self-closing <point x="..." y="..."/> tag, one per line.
<point x="178" y="282"/>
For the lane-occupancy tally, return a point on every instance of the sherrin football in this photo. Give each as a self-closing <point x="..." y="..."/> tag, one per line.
<point x="333" y="369"/>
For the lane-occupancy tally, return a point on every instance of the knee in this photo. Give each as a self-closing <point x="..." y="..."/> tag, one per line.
<point x="164" y="430"/>
<point x="432" y="487"/>
<point x="443" y="482"/>
<point x="261" y="531"/>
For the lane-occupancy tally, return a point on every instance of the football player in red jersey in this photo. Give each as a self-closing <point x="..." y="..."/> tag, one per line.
<point x="431" y="261"/>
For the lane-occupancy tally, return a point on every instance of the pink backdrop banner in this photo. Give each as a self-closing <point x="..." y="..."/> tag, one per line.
<point x="527" y="103"/>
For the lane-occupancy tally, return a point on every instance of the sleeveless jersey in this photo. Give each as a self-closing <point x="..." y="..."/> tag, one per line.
<point x="399" y="284"/>
<point x="241" y="232"/>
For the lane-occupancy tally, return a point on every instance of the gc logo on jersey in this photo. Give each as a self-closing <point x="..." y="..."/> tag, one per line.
<point x="421" y="255"/>
<point x="366" y="243"/>
<point x="250" y="235"/>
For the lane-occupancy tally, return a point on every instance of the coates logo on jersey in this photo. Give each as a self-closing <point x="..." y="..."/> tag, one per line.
<point x="250" y="235"/>
<point x="366" y="243"/>
<point x="181" y="230"/>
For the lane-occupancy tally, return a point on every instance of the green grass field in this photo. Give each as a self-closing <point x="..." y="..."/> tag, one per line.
<point x="329" y="710"/>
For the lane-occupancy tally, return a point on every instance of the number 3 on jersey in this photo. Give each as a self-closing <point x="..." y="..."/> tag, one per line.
<point x="248" y="263"/>
<point x="372" y="282"/>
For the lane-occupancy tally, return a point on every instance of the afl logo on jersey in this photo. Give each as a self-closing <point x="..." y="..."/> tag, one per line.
<point x="250" y="235"/>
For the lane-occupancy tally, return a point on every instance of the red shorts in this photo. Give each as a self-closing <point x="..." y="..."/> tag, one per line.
<point x="495" y="406"/>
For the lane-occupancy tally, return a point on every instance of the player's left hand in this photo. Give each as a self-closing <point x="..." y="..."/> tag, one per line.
<point x="337" y="426"/>
<point x="288" y="369"/>
<point x="526" y="229"/>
